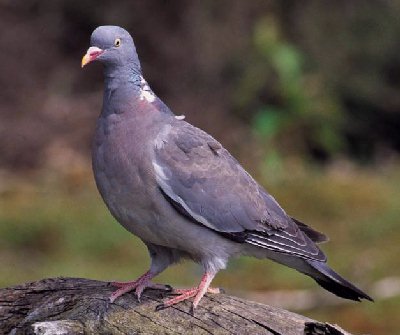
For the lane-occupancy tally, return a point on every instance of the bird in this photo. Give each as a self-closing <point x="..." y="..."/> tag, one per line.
<point x="181" y="192"/>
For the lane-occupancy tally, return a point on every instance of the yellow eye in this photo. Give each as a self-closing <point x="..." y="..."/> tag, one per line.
<point x="117" y="42"/>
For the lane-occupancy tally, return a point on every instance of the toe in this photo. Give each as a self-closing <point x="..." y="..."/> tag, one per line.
<point x="139" y="290"/>
<point x="118" y="284"/>
<point x="121" y="291"/>
<point x="114" y="296"/>
<point x="192" y="309"/>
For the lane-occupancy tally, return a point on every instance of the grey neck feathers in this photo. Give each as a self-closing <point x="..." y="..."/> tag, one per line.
<point x="116" y="76"/>
<point x="128" y="85"/>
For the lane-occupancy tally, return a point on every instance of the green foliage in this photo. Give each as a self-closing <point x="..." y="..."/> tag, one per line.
<point x="301" y="106"/>
<point x="268" y="122"/>
<point x="322" y="81"/>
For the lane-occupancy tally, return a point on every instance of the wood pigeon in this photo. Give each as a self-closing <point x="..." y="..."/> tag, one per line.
<point x="177" y="188"/>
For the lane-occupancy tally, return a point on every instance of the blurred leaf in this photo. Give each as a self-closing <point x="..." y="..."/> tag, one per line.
<point x="273" y="161"/>
<point x="328" y="138"/>
<point x="287" y="61"/>
<point x="266" y="34"/>
<point x="268" y="121"/>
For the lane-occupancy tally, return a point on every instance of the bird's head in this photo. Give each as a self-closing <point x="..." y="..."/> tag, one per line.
<point x="113" y="46"/>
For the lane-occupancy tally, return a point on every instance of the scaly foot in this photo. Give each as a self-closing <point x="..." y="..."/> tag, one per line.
<point x="196" y="292"/>
<point x="138" y="285"/>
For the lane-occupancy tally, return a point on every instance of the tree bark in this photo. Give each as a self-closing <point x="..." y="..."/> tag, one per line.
<point x="74" y="306"/>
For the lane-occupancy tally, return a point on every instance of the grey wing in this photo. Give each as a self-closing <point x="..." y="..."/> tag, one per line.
<point x="205" y="183"/>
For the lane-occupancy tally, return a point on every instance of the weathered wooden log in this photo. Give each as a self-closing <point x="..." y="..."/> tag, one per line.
<point x="74" y="306"/>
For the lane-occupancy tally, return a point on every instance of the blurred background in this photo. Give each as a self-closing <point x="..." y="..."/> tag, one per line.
<point x="305" y="95"/>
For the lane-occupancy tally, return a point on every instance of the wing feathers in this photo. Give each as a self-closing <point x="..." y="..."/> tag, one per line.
<point x="307" y="249"/>
<point x="203" y="182"/>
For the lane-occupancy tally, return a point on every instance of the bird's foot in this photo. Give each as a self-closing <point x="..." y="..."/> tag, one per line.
<point x="196" y="292"/>
<point x="184" y="294"/>
<point x="212" y="290"/>
<point x="139" y="285"/>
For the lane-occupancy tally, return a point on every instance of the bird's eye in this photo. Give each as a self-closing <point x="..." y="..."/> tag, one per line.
<point x="117" y="42"/>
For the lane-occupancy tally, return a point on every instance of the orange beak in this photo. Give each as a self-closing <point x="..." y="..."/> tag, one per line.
<point x="91" y="54"/>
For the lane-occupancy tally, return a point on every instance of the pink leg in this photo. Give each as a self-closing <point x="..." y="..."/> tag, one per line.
<point x="212" y="290"/>
<point x="138" y="285"/>
<point x="197" y="293"/>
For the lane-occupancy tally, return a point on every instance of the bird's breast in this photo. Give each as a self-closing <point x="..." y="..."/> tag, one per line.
<point x="121" y="170"/>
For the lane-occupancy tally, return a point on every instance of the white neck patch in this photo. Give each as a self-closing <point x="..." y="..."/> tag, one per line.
<point x="145" y="91"/>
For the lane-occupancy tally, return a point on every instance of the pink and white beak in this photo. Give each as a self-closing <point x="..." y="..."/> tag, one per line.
<point x="91" y="54"/>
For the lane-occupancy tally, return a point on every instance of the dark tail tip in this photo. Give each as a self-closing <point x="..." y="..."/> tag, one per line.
<point x="343" y="291"/>
<point x="336" y="284"/>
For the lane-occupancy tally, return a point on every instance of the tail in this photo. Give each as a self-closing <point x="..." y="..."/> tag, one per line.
<point x="334" y="283"/>
<point x="314" y="235"/>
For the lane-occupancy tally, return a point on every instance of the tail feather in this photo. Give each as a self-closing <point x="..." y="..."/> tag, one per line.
<point x="336" y="284"/>
<point x="314" y="235"/>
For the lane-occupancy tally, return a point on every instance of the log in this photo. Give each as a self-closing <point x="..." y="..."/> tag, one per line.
<point x="73" y="306"/>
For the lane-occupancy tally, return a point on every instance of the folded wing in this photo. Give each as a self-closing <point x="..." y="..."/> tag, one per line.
<point x="203" y="182"/>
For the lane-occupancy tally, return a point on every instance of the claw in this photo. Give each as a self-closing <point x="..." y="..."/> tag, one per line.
<point x="160" y="307"/>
